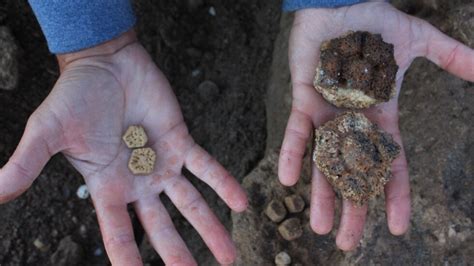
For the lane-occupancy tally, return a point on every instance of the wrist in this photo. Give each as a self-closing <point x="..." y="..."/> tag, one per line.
<point x="107" y="48"/>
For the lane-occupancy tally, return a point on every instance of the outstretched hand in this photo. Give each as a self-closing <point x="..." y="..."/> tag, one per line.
<point x="100" y="92"/>
<point x="411" y="37"/>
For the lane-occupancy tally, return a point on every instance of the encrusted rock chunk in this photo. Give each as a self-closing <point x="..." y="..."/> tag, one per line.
<point x="291" y="229"/>
<point x="356" y="70"/>
<point x="276" y="211"/>
<point x="355" y="156"/>
<point x="294" y="203"/>
<point x="142" y="161"/>
<point x="135" y="137"/>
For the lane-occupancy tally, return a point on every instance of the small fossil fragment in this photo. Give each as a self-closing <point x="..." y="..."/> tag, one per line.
<point x="355" y="156"/>
<point x="276" y="211"/>
<point x="282" y="259"/>
<point x="82" y="192"/>
<point x="356" y="70"/>
<point x="142" y="161"/>
<point x="291" y="229"/>
<point x="135" y="137"/>
<point x="294" y="203"/>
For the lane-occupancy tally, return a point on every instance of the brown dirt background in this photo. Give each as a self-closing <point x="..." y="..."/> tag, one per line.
<point x="235" y="50"/>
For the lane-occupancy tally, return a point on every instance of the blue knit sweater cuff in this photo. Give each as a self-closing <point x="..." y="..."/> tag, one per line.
<point x="291" y="5"/>
<point x="72" y="25"/>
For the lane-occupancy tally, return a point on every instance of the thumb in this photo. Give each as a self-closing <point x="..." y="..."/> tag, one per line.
<point x="31" y="155"/>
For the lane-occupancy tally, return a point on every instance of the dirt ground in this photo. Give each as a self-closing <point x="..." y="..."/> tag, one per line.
<point x="238" y="123"/>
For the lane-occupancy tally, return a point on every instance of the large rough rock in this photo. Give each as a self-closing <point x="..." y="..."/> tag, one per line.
<point x="258" y="238"/>
<point x="8" y="60"/>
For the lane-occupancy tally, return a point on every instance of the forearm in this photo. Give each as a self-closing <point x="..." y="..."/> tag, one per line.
<point x="106" y="48"/>
<point x="291" y="5"/>
<point x="73" y="25"/>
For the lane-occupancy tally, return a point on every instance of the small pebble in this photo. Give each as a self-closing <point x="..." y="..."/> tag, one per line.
<point x="451" y="232"/>
<point x="83" y="230"/>
<point x="40" y="245"/>
<point x="98" y="252"/>
<point x="195" y="73"/>
<point x="208" y="90"/>
<point x="282" y="258"/>
<point x="82" y="192"/>
<point x="212" y="11"/>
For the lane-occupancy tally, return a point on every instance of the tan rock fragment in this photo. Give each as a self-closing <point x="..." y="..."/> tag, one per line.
<point x="142" y="161"/>
<point x="291" y="229"/>
<point x="355" y="156"/>
<point x="294" y="203"/>
<point x="135" y="137"/>
<point x="276" y="211"/>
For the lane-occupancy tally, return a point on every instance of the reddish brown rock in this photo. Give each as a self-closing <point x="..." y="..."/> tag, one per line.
<point x="356" y="70"/>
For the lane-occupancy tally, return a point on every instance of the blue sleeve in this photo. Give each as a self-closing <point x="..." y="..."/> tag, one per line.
<point x="72" y="25"/>
<point x="291" y="5"/>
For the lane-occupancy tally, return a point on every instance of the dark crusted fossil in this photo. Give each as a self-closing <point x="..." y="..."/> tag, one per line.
<point x="355" y="156"/>
<point x="356" y="70"/>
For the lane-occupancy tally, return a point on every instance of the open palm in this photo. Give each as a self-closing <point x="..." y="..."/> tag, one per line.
<point x="411" y="38"/>
<point x="94" y="101"/>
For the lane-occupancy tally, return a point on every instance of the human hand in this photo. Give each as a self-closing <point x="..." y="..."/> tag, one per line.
<point x="411" y="37"/>
<point x="100" y="92"/>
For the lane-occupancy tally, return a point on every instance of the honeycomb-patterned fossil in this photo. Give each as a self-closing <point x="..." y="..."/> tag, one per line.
<point x="142" y="161"/>
<point x="356" y="70"/>
<point x="135" y="137"/>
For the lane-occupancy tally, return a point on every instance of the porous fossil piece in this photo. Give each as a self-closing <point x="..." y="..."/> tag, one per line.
<point x="294" y="203"/>
<point x="355" y="156"/>
<point x="291" y="229"/>
<point x="142" y="161"/>
<point x="135" y="137"/>
<point x="356" y="70"/>
<point x="276" y="211"/>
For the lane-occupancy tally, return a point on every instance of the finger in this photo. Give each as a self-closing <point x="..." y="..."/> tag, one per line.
<point x="397" y="190"/>
<point x="193" y="207"/>
<point x="117" y="233"/>
<point x="397" y="197"/>
<point x="447" y="53"/>
<point x="206" y="168"/>
<point x="322" y="203"/>
<point x="293" y="148"/>
<point x="31" y="155"/>
<point x="162" y="233"/>
<point x="351" y="226"/>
